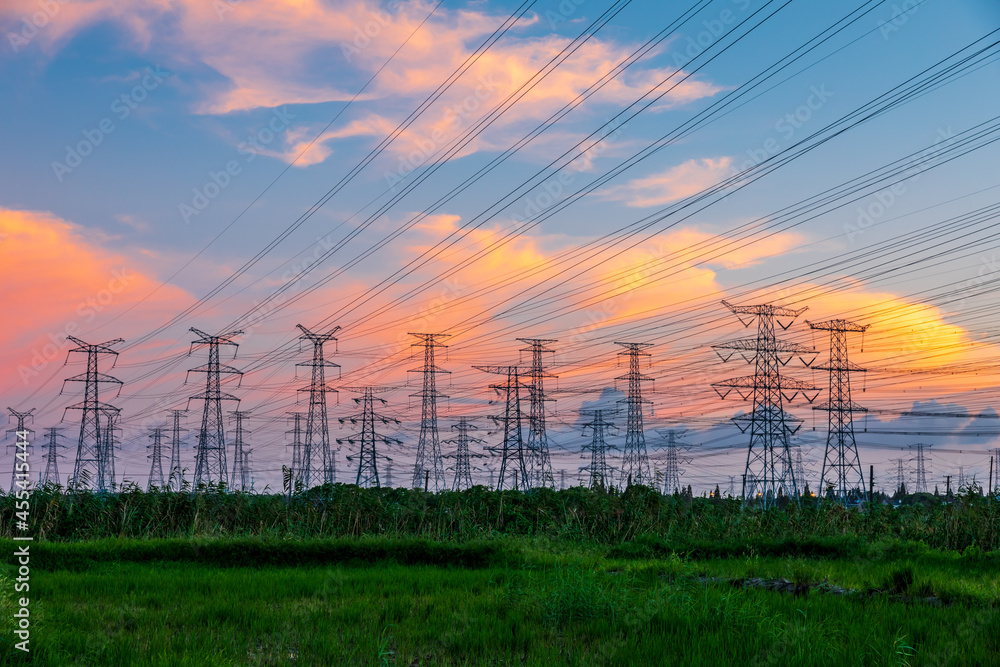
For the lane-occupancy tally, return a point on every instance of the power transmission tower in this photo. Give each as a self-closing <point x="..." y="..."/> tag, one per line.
<point x="429" y="445"/>
<point x="210" y="456"/>
<point x="296" y="433"/>
<point x="635" y="461"/>
<point x="513" y="455"/>
<point x="601" y="473"/>
<point x="389" y="483"/>
<point x="672" y="464"/>
<point x="462" y="455"/>
<point x="562" y="479"/>
<point x="19" y="440"/>
<point x="841" y="464"/>
<point x="240" y="478"/>
<point x="368" y="456"/>
<point x="900" y="475"/>
<point x="94" y="464"/>
<point x="920" y="482"/>
<point x="769" y="472"/>
<point x="175" y="479"/>
<point x="156" y="466"/>
<point x="316" y="462"/>
<point x="52" y="456"/>
<point x="539" y="463"/>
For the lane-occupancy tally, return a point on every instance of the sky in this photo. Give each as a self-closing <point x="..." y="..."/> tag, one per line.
<point x="586" y="172"/>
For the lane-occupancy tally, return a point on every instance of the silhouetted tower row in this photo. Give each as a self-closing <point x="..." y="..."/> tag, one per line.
<point x="52" y="456"/>
<point x="600" y="472"/>
<point x="841" y="464"/>
<point x="95" y="456"/>
<point x="175" y="480"/>
<point x="539" y="463"/>
<point x="462" y="455"/>
<point x="156" y="458"/>
<point x="22" y="434"/>
<point x="769" y="471"/>
<point x="317" y="464"/>
<point x="920" y="481"/>
<point x="368" y="456"/>
<point x="635" y="460"/>
<point x="428" y="467"/>
<point x="210" y="456"/>
<point x="240" y="478"/>
<point x="513" y="473"/>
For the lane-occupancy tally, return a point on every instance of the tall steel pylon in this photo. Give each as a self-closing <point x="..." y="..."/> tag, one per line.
<point x="635" y="460"/>
<point x="841" y="464"/>
<point x="429" y="445"/>
<point x="368" y="456"/>
<point x="94" y="464"/>
<point x="463" y="457"/>
<point x="539" y="462"/>
<point x="513" y="454"/>
<point x="390" y="483"/>
<point x="601" y="473"/>
<point x="240" y="477"/>
<point x="317" y="464"/>
<point x="769" y="472"/>
<point x="673" y="461"/>
<point x="210" y="455"/>
<point x="296" y="434"/>
<point x="52" y="456"/>
<point x="22" y="417"/>
<point x="156" y="464"/>
<point x="900" y="474"/>
<point x="175" y="479"/>
<point x="920" y="485"/>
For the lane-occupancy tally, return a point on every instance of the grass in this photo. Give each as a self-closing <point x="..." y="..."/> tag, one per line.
<point x="532" y="601"/>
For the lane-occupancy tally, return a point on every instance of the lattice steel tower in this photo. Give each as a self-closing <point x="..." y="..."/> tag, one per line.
<point x="635" y="460"/>
<point x="156" y="465"/>
<point x="296" y="434"/>
<point x="673" y="461"/>
<point x="175" y="479"/>
<point x="52" y="456"/>
<point x="94" y="464"/>
<point x="920" y="485"/>
<point x="429" y="445"/>
<point x="463" y="457"/>
<point x="513" y="454"/>
<point x="22" y="418"/>
<point x="210" y="456"/>
<point x="841" y="465"/>
<point x="539" y="463"/>
<point x="368" y="456"/>
<point x="600" y="471"/>
<point x="769" y="471"/>
<point x="317" y="464"/>
<point x="240" y="478"/>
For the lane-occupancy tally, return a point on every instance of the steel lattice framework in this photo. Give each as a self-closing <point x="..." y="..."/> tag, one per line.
<point x="600" y="471"/>
<point x="240" y="478"/>
<point x="210" y="456"/>
<point x="52" y="456"/>
<point x="428" y="466"/>
<point x="513" y="453"/>
<point x="368" y="456"/>
<point x="156" y="463"/>
<point x="769" y="471"/>
<point x="841" y="464"/>
<point x="22" y="417"/>
<point x="317" y="463"/>
<point x="539" y="463"/>
<point x="296" y="434"/>
<point x="635" y="460"/>
<point x="95" y="447"/>
<point x="920" y="485"/>
<point x="175" y="480"/>
<point x="673" y="461"/>
<point x="463" y="457"/>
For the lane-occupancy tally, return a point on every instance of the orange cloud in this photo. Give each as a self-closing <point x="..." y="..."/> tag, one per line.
<point x="676" y="183"/>
<point x="63" y="284"/>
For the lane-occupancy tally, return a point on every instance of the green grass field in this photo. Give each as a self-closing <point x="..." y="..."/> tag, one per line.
<point x="508" y="601"/>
